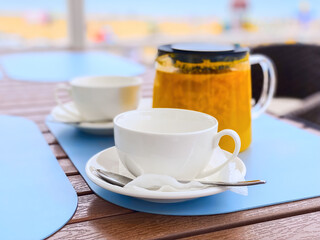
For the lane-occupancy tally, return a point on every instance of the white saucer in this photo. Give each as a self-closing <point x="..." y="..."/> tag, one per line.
<point x="101" y="128"/>
<point x="109" y="161"/>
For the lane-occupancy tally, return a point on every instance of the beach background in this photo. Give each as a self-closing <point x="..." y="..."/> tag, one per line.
<point x="142" y="25"/>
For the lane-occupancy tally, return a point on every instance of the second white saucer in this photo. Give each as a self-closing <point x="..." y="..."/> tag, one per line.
<point x="59" y="115"/>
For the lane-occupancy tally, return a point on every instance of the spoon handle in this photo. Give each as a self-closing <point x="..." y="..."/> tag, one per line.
<point x="231" y="184"/>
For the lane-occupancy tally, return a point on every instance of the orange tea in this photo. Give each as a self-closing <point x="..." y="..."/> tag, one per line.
<point x="221" y="89"/>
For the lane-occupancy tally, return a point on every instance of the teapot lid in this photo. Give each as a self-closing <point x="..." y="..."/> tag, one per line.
<point x="202" y="47"/>
<point x="203" y="50"/>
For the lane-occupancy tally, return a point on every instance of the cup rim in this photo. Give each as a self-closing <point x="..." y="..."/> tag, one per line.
<point x="136" y="81"/>
<point x="214" y="126"/>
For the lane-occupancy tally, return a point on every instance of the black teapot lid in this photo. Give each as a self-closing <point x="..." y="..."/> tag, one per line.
<point x="196" y="52"/>
<point x="202" y="47"/>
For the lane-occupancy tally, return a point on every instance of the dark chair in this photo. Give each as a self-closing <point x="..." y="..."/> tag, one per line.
<point x="298" y="75"/>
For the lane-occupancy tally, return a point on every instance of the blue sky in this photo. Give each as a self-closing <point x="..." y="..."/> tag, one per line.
<point x="259" y="9"/>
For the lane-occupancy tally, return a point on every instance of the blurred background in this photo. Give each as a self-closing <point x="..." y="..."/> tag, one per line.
<point x="136" y="28"/>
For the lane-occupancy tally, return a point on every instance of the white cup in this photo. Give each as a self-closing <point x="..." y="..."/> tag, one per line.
<point x="173" y="142"/>
<point x="101" y="98"/>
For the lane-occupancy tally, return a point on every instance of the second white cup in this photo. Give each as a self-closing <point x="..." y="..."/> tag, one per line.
<point x="101" y="98"/>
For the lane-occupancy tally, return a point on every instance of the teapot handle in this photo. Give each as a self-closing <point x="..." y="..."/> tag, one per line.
<point x="269" y="83"/>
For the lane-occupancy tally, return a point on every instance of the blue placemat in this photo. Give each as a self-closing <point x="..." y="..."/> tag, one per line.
<point x="37" y="198"/>
<point x="287" y="157"/>
<point x="63" y="66"/>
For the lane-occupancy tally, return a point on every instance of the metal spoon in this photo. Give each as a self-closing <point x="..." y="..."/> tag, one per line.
<point x="121" y="180"/>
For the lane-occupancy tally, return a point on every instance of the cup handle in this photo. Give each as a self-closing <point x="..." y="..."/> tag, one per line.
<point x="269" y="84"/>
<point x="66" y="88"/>
<point x="216" y="141"/>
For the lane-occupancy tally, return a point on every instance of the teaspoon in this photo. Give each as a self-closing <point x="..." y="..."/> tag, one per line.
<point x="121" y="180"/>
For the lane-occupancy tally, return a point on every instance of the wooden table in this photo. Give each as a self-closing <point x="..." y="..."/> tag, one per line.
<point x="96" y="218"/>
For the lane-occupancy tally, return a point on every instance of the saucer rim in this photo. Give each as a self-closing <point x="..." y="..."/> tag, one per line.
<point x="154" y="195"/>
<point x="83" y="125"/>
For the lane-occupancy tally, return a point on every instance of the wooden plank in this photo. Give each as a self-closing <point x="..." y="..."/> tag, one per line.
<point x="43" y="127"/>
<point x="31" y="96"/>
<point x="292" y="122"/>
<point x="306" y="226"/>
<point x="68" y="167"/>
<point x="58" y="151"/>
<point x="79" y="185"/>
<point x="313" y="130"/>
<point x="28" y="111"/>
<point x="16" y="83"/>
<point x="23" y="104"/>
<point x="27" y="90"/>
<point x="146" y="226"/>
<point x="31" y="102"/>
<point x="50" y="138"/>
<point x="93" y="207"/>
<point x="28" y="86"/>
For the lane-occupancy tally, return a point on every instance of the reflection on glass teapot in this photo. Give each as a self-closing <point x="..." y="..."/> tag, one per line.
<point x="214" y="79"/>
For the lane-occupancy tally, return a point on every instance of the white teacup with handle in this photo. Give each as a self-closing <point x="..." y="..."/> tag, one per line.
<point x="173" y="142"/>
<point x="101" y="98"/>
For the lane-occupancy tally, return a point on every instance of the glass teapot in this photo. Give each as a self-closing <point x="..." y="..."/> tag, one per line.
<point x="214" y="79"/>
